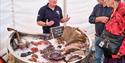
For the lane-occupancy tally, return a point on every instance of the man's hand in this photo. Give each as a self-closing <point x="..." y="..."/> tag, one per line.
<point x="50" y="23"/>
<point x="65" y="18"/>
<point x="102" y="19"/>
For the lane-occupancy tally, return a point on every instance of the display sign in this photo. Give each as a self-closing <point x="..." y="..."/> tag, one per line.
<point x="57" y="31"/>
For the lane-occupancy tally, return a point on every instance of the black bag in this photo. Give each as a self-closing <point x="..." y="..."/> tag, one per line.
<point x="110" y="42"/>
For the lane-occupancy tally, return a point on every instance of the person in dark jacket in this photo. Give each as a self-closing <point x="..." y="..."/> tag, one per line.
<point x="99" y="16"/>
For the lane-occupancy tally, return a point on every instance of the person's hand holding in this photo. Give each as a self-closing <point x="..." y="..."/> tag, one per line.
<point x="102" y="19"/>
<point x="50" y="23"/>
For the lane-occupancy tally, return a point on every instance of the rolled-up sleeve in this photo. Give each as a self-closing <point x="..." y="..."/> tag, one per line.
<point x="92" y="17"/>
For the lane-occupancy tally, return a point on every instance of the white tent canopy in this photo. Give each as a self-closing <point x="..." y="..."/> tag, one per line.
<point x="22" y="14"/>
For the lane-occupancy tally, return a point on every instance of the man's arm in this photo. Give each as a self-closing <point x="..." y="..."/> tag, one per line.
<point x="41" y="23"/>
<point x="102" y="19"/>
<point x="65" y="19"/>
<point x="92" y="17"/>
<point x="40" y="17"/>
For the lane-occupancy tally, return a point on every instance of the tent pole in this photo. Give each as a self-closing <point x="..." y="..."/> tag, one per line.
<point x="13" y="13"/>
<point x="65" y="9"/>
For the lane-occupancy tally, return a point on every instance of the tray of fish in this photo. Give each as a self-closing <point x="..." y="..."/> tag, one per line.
<point x="71" y="46"/>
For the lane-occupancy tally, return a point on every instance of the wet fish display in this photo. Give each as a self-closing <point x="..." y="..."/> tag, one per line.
<point x="72" y="46"/>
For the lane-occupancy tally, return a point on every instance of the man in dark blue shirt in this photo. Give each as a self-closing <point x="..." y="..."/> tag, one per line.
<point x="50" y="15"/>
<point x="99" y="17"/>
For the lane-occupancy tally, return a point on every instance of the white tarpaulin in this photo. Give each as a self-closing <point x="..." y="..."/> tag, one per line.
<point x="22" y="14"/>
